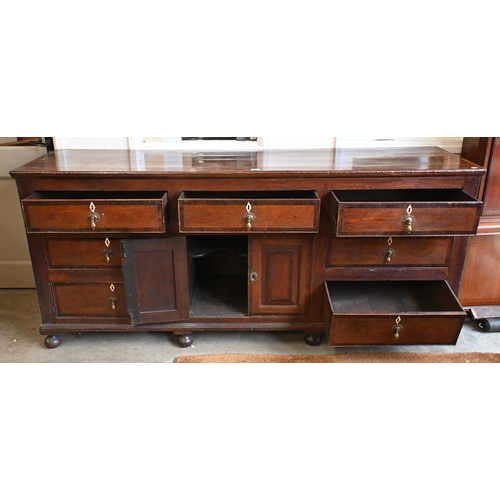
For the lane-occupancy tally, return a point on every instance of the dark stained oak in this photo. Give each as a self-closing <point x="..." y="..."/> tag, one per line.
<point x="279" y="275"/>
<point x="395" y="313"/>
<point x="194" y="242"/>
<point x="155" y="274"/>
<point x="345" y="162"/>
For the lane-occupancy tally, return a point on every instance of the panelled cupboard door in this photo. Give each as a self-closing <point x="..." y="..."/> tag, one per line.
<point x="156" y="279"/>
<point x="279" y="275"/>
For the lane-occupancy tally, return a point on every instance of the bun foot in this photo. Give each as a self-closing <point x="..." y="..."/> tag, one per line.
<point x="313" y="339"/>
<point x="52" y="341"/>
<point x="185" y="340"/>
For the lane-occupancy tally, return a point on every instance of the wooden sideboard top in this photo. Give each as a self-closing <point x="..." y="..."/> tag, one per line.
<point x="281" y="163"/>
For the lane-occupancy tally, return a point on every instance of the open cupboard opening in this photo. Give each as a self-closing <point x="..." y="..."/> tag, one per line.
<point x="218" y="276"/>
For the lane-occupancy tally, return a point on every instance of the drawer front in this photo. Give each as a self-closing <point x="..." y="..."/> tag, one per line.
<point x="403" y="212"/>
<point x="90" y="300"/>
<point x="386" y="252"/>
<point x="82" y="253"/>
<point x="380" y="330"/>
<point x="391" y="313"/>
<point x="129" y="213"/>
<point x="258" y="213"/>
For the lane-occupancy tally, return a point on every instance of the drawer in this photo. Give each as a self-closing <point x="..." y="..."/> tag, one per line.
<point x="90" y="300"/>
<point x="391" y="313"/>
<point x="82" y="253"/>
<point x="386" y="252"/>
<point x="403" y="212"/>
<point x="69" y="212"/>
<point x="249" y="212"/>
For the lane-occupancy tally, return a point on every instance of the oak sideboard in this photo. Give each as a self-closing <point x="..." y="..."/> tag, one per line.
<point x="360" y="247"/>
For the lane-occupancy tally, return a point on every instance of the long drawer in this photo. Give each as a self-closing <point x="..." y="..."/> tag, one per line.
<point x="395" y="212"/>
<point x="391" y="313"/>
<point x="75" y="212"/>
<point x="82" y="253"/>
<point x="388" y="252"/>
<point x="249" y="212"/>
<point x="90" y="300"/>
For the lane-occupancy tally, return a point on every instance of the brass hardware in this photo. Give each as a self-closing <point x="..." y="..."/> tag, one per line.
<point x="408" y="220"/>
<point x="249" y="217"/>
<point x="397" y="327"/>
<point x="108" y="252"/>
<point x="253" y="276"/>
<point x="93" y="217"/>
<point x="113" y="299"/>
<point x="389" y="252"/>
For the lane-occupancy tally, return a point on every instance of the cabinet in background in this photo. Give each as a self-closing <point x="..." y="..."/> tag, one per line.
<point x="480" y="286"/>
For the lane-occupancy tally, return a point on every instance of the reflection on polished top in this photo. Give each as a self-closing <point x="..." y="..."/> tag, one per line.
<point x="214" y="164"/>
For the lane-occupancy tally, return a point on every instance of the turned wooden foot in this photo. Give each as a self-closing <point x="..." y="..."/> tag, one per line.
<point x="52" y="341"/>
<point x="313" y="339"/>
<point x="185" y="340"/>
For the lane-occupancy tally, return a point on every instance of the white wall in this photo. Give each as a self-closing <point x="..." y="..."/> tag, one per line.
<point x="91" y="142"/>
<point x="298" y="142"/>
<point x="15" y="262"/>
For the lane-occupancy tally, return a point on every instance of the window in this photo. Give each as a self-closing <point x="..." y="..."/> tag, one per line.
<point x="452" y="144"/>
<point x="197" y="143"/>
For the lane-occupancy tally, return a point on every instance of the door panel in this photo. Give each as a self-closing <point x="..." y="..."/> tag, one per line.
<point x="280" y="269"/>
<point x="156" y="279"/>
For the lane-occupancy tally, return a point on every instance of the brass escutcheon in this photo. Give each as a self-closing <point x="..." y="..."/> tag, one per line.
<point x="249" y="217"/>
<point x="389" y="252"/>
<point x="408" y="220"/>
<point x="253" y="276"/>
<point x="108" y="252"/>
<point x="93" y="217"/>
<point x="113" y="299"/>
<point x="397" y="327"/>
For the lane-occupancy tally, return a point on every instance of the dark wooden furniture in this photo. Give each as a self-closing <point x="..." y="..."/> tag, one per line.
<point x="481" y="278"/>
<point x="366" y="246"/>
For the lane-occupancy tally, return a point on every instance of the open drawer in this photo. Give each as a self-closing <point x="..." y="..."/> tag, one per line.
<point x="251" y="211"/>
<point x="392" y="212"/>
<point x="96" y="212"/>
<point x="391" y="313"/>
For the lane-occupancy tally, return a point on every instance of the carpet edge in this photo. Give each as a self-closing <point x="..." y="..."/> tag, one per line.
<point x="355" y="357"/>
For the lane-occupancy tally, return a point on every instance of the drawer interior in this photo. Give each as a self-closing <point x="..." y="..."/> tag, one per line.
<point x="403" y="195"/>
<point x="239" y="195"/>
<point x="95" y="195"/>
<point x="391" y="297"/>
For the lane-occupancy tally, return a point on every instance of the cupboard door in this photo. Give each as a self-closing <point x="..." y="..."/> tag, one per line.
<point x="156" y="279"/>
<point x="279" y="275"/>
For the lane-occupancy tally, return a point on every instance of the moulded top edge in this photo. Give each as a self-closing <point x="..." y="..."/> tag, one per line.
<point x="331" y="162"/>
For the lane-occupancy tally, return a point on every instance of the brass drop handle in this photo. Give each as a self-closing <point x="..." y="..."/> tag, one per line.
<point x="93" y="217"/>
<point x="397" y="327"/>
<point x="389" y="252"/>
<point x="249" y="217"/>
<point x="408" y="220"/>
<point x="108" y="252"/>
<point x="113" y="299"/>
<point x="388" y="255"/>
